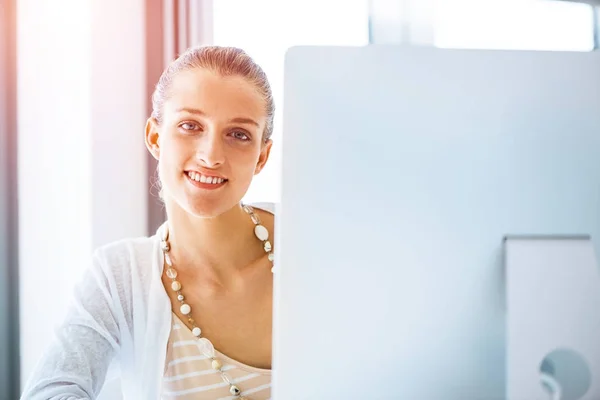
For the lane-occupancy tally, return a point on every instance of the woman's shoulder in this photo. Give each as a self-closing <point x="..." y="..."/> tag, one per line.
<point x="128" y="258"/>
<point x="266" y="206"/>
<point x="127" y="249"/>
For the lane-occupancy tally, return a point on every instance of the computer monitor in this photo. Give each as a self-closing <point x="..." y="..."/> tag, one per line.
<point x="404" y="168"/>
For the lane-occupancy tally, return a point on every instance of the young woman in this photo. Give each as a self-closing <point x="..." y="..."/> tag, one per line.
<point x="186" y="313"/>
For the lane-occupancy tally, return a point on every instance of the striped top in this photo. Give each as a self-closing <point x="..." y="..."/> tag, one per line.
<point x="189" y="374"/>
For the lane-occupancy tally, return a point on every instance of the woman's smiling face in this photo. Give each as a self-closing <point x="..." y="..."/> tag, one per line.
<point x="209" y="142"/>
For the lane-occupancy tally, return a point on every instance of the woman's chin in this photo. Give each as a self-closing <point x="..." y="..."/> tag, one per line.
<point x="208" y="207"/>
<point x="204" y="204"/>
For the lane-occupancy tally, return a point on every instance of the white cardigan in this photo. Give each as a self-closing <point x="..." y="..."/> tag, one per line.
<point x="120" y="318"/>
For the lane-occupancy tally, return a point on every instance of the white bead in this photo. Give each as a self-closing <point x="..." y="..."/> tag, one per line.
<point x="234" y="390"/>
<point x="180" y="297"/>
<point x="185" y="309"/>
<point x="168" y="260"/>
<point x="216" y="364"/>
<point x="268" y="246"/>
<point x="171" y="273"/>
<point x="261" y="232"/>
<point x="271" y="257"/>
<point x="175" y="285"/>
<point x="196" y="331"/>
<point x="206" y="347"/>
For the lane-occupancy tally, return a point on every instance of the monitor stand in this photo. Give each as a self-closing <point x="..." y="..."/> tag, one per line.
<point x="553" y="318"/>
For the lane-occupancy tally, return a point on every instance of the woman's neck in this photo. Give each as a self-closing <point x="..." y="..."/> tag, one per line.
<point x="217" y="247"/>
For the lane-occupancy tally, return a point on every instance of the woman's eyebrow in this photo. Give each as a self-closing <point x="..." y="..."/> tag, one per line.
<point x="239" y="120"/>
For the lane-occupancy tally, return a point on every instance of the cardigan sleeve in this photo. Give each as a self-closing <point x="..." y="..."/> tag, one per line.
<point x="75" y="365"/>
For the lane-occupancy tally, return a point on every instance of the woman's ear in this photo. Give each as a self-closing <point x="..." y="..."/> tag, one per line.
<point x="264" y="156"/>
<point x="152" y="136"/>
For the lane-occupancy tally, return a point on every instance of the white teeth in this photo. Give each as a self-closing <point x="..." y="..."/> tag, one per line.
<point x="205" y="179"/>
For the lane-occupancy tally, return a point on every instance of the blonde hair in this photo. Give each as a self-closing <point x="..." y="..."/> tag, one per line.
<point x="225" y="61"/>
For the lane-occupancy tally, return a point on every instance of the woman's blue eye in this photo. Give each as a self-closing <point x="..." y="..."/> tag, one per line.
<point x="241" y="135"/>
<point x="188" y="126"/>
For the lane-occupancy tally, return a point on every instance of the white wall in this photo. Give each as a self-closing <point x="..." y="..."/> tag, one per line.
<point x="82" y="167"/>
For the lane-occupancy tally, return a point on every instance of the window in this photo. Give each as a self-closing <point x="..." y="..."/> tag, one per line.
<point x="514" y="24"/>
<point x="266" y="29"/>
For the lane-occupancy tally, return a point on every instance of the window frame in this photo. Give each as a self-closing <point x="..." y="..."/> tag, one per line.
<point x="414" y="21"/>
<point x="593" y="38"/>
<point x="10" y="374"/>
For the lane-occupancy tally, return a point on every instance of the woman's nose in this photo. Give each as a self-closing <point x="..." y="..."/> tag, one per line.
<point x="210" y="151"/>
